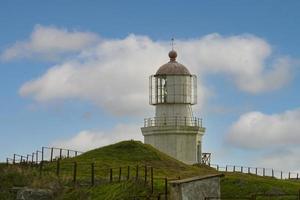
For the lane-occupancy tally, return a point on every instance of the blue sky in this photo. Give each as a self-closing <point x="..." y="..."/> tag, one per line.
<point x="95" y="109"/>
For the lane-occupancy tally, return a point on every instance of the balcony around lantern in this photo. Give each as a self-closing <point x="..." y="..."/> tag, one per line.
<point x="173" y="121"/>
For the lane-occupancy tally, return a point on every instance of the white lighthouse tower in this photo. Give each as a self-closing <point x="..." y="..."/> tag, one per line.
<point x="174" y="130"/>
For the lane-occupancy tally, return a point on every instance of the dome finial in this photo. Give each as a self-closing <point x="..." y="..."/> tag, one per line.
<point x="172" y="53"/>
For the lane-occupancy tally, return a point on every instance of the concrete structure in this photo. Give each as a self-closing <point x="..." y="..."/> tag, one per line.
<point x="196" y="188"/>
<point x="174" y="130"/>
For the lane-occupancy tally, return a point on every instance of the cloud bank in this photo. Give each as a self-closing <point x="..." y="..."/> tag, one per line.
<point x="90" y="139"/>
<point x="113" y="73"/>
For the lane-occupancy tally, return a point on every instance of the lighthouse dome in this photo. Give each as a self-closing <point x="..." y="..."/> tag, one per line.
<point x="173" y="67"/>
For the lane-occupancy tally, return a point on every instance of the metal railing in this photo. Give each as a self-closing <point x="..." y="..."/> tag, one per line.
<point x="173" y="121"/>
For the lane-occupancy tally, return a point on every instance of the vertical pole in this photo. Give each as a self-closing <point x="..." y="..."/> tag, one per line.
<point x="27" y="158"/>
<point x="7" y="162"/>
<point x="93" y="174"/>
<point x="264" y="172"/>
<point x="42" y="154"/>
<point x="281" y="175"/>
<point x="57" y="167"/>
<point x="110" y="175"/>
<point x="289" y="175"/>
<point x="256" y="170"/>
<point x="32" y="158"/>
<point x="75" y="172"/>
<point x="241" y="169"/>
<point x="60" y="153"/>
<point x="166" y="189"/>
<point x="217" y="167"/>
<point x="68" y="154"/>
<point x="273" y="173"/>
<point x="21" y="160"/>
<point x="233" y="168"/>
<point x="128" y="172"/>
<point x="76" y="153"/>
<point x="51" y="155"/>
<point x="120" y="174"/>
<point x="226" y="168"/>
<point x="145" y="174"/>
<point x="248" y="170"/>
<point x="14" y="159"/>
<point x="137" y="173"/>
<point x="152" y="180"/>
<point x="37" y="157"/>
<point x="297" y="176"/>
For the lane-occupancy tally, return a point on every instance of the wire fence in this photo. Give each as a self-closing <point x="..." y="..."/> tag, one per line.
<point x="259" y="171"/>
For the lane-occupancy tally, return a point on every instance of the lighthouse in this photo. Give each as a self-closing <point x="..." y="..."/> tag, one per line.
<point x="174" y="129"/>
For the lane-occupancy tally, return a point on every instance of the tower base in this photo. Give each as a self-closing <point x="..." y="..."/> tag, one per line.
<point x="180" y="142"/>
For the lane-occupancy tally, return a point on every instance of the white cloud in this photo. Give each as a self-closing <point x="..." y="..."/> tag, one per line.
<point x="258" y="130"/>
<point x="91" y="139"/>
<point x="49" y="43"/>
<point x="113" y="74"/>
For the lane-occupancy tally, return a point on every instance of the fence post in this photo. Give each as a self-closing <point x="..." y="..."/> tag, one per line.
<point x="289" y="175"/>
<point x="68" y="154"/>
<point x="51" y="155"/>
<point x="241" y="169"/>
<point x="217" y="167"/>
<point x="152" y="180"/>
<point x="93" y="174"/>
<point x="14" y="159"/>
<point x="37" y="157"/>
<point x="248" y="170"/>
<point x="297" y="176"/>
<point x="120" y="173"/>
<point x="256" y="171"/>
<point x="110" y="175"/>
<point x="272" y="173"/>
<point x="76" y="153"/>
<point x="57" y="167"/>
<point x="32" y="156"/>
<point x="145" y="174"/>
<point x="137" y="173"/>
<point x="264" y="171"/>
<point x="128" y="172"/>
<point x="75" y="172"/>
<point x="42" y="154"/>
<point x="27" y="159"/>
<point x="7" y="162"/>
<point x="226" y="168"/>
<point x="233" y="168"/>
<point x="281" y="174"/>
<point x="166" y="189"/>
<point x="60" y="153"/>
<point x="41" y="168"/>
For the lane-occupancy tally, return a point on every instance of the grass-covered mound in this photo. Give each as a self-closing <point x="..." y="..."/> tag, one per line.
<point x="124" y="154"/>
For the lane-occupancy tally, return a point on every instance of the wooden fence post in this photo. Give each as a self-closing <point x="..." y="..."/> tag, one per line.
<point x="256" y="170"/>
<point x="74" y="172"/>
<point x="14" y="159"/>
<point x="57" y="167"/>
<point x="264" y="171"/>
<point x="289" y="175"/>
<point x="241" y="169"/>
<point x="42" y="154"/>
<point x="272" y="173"/>
<point x="68" y="153"/>
<point x="297" y="176"/>
<point x="7" y="162"/>
<point x="120" y="174"/>
<point x="51" y="155"/>
<point x="41" y="168"/>
<point x="226" y="168"/>
<point x="37" y="157"/>
<point x="32" y="158"/>
<point x="76" y="153"/>
<point x="93" y="174"/>
<point x="166" y="189"/>
<point x="110" y="175"/>
<point x="152" y="180"/>
<point x="248" y="170"/>
<point x="217" y="167"/>
<point x="145" y="174"/>
<point x="128" y="172"/>
<point x="281" y="174"/>
<point x="60" y="153"/>
<point x="233" y="168"/>
<point x="137" y="173"/>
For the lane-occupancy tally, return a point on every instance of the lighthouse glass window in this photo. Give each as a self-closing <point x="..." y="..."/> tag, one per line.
<point x="173" y="89"/>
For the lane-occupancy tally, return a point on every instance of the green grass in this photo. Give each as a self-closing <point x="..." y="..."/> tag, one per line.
<point x="131" y="153"/>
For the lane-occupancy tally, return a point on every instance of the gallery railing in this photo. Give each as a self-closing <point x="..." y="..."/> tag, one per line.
<point x="173" y="121"/>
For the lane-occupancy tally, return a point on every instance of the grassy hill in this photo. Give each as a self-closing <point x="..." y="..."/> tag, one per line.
<point x="124" y="154"/>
